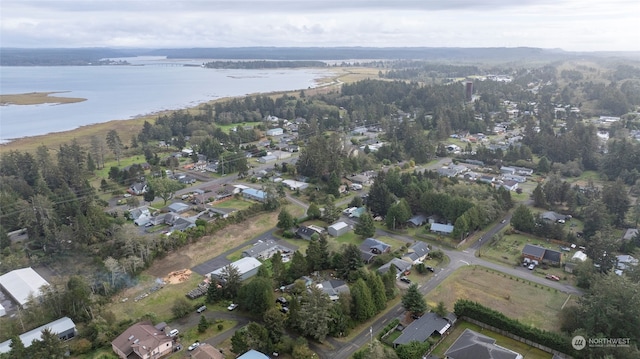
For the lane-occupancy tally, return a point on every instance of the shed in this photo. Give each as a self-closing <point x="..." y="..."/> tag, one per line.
<point x="579" y="256"/>
<point x="275" y="131"/>
<point x="22" y="283"/>
<point x="338" y="229"/>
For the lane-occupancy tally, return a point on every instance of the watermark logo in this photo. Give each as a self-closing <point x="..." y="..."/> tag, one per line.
<point x="578" y="342"/>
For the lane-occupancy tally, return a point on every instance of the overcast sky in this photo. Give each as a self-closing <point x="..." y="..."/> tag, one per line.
<point x="573" y="25"/>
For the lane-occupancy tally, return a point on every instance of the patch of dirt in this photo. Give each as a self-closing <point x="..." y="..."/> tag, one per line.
<point x="211" y="246"/>
<point x="179" y="276"/>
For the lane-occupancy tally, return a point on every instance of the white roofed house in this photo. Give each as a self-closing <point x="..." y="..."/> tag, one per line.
<point x="64" y="328"/>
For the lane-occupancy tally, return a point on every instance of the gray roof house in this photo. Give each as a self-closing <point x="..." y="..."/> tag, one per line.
<point x="264" y="250"/>
<point x="474" y="345"/>
<point x="417" y="220"/>
<point x="423" y="328"/>
<point x="64" y="327"/>
<point x="305" y="232"/>
<point x="178" y="207"/>
<point x="138" y="189"/>
<point x="533" y="252"/>
<point x="401" y="266"/>
<point x="629" y="234"/>
<point x="374" y="246"/>
<point x="417" y="252"/>
<point x="247" y="266"/>
<point x="441" y="228"/>
<point x="552" y="257"/>
<point x="333" y="288"/>
<point x="553" y="216"/>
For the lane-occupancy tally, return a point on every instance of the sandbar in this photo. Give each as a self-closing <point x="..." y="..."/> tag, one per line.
<point x="37" y="98"/>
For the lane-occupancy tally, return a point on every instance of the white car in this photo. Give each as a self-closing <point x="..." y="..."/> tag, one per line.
<point x="232" y="306"/>
<point x="193" y="346"/>
<point x="531" y="266"/>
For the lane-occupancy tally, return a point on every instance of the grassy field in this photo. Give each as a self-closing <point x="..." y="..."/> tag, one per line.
<point x="525" y="350"/>
<point x="37" y="98"/>
<point x="532" y="304"/>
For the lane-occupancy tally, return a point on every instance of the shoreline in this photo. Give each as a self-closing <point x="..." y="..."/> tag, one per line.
<point x="133" y="125"/>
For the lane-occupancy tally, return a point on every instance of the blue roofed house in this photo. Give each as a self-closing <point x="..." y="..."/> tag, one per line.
<point x="441" y="228"/>
<point x="254" y="194"/>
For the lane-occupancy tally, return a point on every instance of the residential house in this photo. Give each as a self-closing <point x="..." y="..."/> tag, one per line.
<point x="471" y="344"/>
<point x="186" y="179"/>
<point x="275" y="131"/>
<point x="295" y="185"/>
<point x="505" y="170"/>
<point x="254" y="194"/>
<point x="178" y="207"/>
<point x="142" y="340"/>
<point x="372" y="247"/>
<point x="140" y="215"/>
<point x="334" y="288"/>
<point x="517" y="178"/>
<point x="253" y="354"/>
<point x="523" y="171"/>
<point x="64" y="328"/>
<point x="182" y="224"/>
<point x="360" y="179"/>
<point x="553" y="216"/>
<point x="417" y="252"/>
<point x="423" y="328"/>
<point x="293" y="148"/>
<point x="510" y="185"/>
<point x="247" y="268"/>
<point x="264" y="250"/>
<point x="222" y="212"/>
<point x="487" y="179"/>
<point x="267" y="159"/>
<point x="417" y="220"/>
<point x="402" y="267"/>
<point x="447" y="172"/>
<point x="552" y="257"/>
<point x="305" y="232"/>
<point x="206" y="351"/>
<point x="337" y="229"/>
<point x="533" y="252"/>
<point x="441" y="228"/>
<point x="629" y="234"/>
<point x="138" y="189"/>
<point x="624" y="261"/>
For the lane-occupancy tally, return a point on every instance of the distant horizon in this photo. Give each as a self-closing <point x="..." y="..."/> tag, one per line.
<point x="571" y="25"/>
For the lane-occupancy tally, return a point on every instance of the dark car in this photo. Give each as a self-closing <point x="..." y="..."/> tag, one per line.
<point x="405" y="279"/>
<point x="283" y="301"/>
<point x="430" y="269"/>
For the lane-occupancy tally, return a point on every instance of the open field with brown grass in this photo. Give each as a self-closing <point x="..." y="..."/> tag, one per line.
<point x="37" y="98"/>
<point x="531" y="304"/>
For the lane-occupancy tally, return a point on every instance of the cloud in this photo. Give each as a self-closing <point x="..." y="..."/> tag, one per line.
<point x="568" y="24"/>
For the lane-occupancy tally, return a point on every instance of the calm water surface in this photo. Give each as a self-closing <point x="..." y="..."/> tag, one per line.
<point x="123" y="92"/>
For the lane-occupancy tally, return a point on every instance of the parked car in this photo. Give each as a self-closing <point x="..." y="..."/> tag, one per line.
<point x="405" y="279"/>
<point x="173" y="332"/>
<point x="177" y="348"/>
<point x="193" y="346"/>
<point x="201" y="309"/>
<point x="232" y="306"/>
<point x="283" y="301"/>
<point x="552" y="277"/>
<point x="565" y="249"/>
<point x="503" y="221"/>
<point x="430" y="269"/>
<point x="531" y="266"/>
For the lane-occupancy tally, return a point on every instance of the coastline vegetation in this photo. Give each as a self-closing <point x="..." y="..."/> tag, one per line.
<point x="37" y="98"/>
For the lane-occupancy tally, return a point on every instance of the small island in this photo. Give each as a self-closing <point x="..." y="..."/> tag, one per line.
<point x="37" y="98"/>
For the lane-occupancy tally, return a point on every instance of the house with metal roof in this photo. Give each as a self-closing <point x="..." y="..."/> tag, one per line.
<point x="64" y="327"/>
<point x="178" y="207"/>
<point x="441" y="228"/>
<point x="253" y="354"/>
<point x="254" y="194"/>
<point x="247" y="267"/>
<point x="265" y="250"/>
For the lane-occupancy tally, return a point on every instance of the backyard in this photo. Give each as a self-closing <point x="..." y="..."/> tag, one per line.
<point x="530" y="303"/>
<point x="525" y="350"/>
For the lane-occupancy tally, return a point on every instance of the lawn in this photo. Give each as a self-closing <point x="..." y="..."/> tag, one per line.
<point x="530" y="303"/>
<point x="158" y="303"/>
<point x="238" y="204"/>
<point x="228" y="128"/>
<point x="525" y="350"/>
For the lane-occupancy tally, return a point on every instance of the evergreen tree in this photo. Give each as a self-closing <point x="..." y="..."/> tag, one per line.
<point x="362" y="306"/>
<point x="539" y="199"/>
<point x="256" y="296"/>
<point x="377" y="291"/>
<point x="365" y="226"/>
<point x="413" y="301"/>
<point x="522" y="219"/>
<point x="203" y="324"/>
<point x="297" y="267"/>
<point x="313" y="212"/>
<point x="285" y="220"/>
<point x="231" y="281"/>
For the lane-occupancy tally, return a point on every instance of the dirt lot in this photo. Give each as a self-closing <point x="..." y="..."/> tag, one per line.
<point x="211" y="246"/>
<point x="530" y="303"/>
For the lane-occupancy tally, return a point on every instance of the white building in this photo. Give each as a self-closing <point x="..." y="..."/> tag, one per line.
<point x="275" y="131"/>
<point x="247" y="267"/>
<point x="21" y="284"/>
